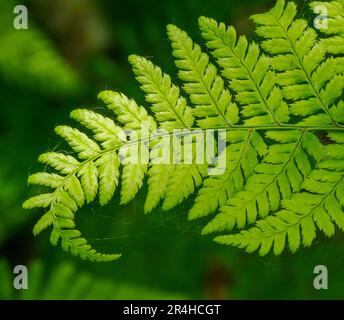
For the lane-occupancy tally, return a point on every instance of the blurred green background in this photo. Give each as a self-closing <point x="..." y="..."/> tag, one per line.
<point x="72" y="50"/>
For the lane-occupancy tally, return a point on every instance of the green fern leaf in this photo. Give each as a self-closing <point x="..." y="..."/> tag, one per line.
<point x="73" y="186"/>
<point x="129" y="114"/>
<point x="104" y="128"/>
<point x="205" y="88"/>
<point x="248" y="72"/>
<point x="279" y="175"/>
<point x="320" y="206"/>
<point x="43" y="223"/>
<point x="307" y="78"/>
<point x="51" y="180"/>
<point x="159" y="177"/>
<point x="41" y="201"/>
<point x="65" y="164"/>
<point x="170" y="109"/>
<point x="108" y="168"/>
<point x="132" y="176"/>
<point x="242" y="157"/>
<point x="89" y="180"/>
<point x="185" y="179"/>
<point x="334" y="26"/>
<point x="276" y="170"/>
<point x="79" y="142"/>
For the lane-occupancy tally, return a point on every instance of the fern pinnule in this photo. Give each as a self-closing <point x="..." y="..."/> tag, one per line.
<point x="104" y="129"/>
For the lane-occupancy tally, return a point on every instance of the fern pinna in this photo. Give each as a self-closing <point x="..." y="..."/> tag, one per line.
<point x="280" y="104"/>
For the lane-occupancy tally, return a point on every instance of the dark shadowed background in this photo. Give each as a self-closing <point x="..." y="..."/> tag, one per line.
<point x="72" y="50"/>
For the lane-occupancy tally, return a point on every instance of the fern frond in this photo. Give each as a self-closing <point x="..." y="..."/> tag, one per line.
<point x="128" y="113"/>
<point x="105" y="130"/>
<point x="333" y="25"/>
<point x="242" y="157"/>
<point x="79" y="142"/>
<point x="307" y="78"/>
<point x="72" y="241"/>
<point x="185" y="180"/>
<point x="280" y="173"/>
<point x="248" y="72"/>
<point x="89" y="180"/>
<point x="77" y="182"/>
<point x="158" y="180"/>
<point x="132" y="175"/>
<point x="108" y="170"/>
<point x="318" y="206"/>
<point x="65" y="164"/>
<point x="46" y="179"/>
<point x="202" y="83"/>
<point x="133" y="117"/>
<point x="170" y="109"/>
<point x="63" y="203"/>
